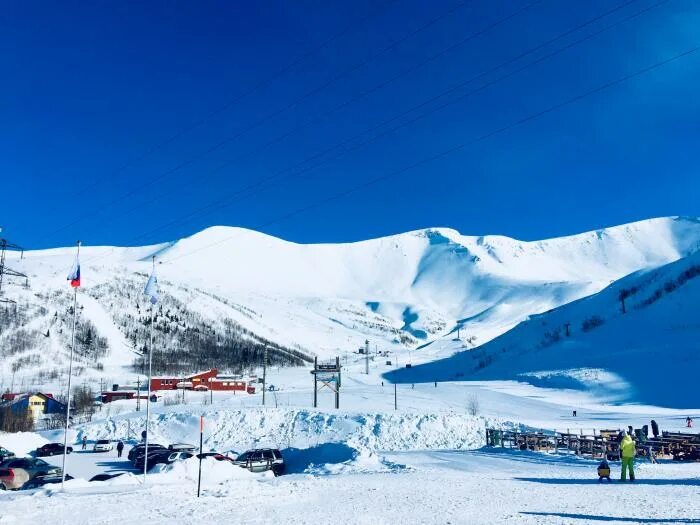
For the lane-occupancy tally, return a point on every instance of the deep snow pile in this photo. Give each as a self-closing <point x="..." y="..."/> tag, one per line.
<point x="284" y="428"/>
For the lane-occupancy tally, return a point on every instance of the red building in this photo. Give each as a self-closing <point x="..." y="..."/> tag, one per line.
<point x="202" y="381"/>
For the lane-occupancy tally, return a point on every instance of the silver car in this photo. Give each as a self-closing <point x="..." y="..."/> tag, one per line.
<point x="262" y="459"/>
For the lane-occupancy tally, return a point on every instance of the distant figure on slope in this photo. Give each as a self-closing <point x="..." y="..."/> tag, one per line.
<point x="84" y="442"/>
<point x="574" y="413"/>
<point x="627" y="452"/>
<point x="654" y="429"/>
<point x="689" y="422"/>
<point x="120" y="448"/>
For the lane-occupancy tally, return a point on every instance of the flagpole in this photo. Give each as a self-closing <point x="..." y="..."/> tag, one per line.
<point x="70" y="373"/>
<point x="148" y="401"/>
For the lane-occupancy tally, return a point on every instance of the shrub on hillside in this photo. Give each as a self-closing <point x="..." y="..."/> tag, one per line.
<point x="591" y="323"/>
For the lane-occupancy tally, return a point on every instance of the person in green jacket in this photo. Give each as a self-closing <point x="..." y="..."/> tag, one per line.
<point x="627" y="452"/>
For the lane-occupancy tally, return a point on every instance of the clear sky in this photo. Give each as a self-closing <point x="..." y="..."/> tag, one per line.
<point x="122" y="121"/>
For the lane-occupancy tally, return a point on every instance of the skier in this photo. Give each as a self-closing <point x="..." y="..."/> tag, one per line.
<point x="84" y="442"/>
<point x="627" y="453"/>
<point x="120" y="448"/>
<point x="689" y="422"/>
<point x="574" y="413"/>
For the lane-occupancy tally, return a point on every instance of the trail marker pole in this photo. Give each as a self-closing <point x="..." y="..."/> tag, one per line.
<point x="201" y="441"/>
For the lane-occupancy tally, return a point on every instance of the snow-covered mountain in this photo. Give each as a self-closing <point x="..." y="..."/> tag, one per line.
<point x="400" y="292"/>
<point x="638" y="340"/>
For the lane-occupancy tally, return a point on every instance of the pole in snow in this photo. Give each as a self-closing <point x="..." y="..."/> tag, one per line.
<point x="74" y="278"/>
<point x="201" y="442"/>
<point x="264" y="376"/>
<point x="396" y="405"/>
<point x="151" y="290"/>
<point x="367" y="356"/>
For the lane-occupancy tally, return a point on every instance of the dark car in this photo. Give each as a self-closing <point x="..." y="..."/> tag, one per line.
<point x="162" y="457"/>
<point x="40" y="481"/>
<point x="51" y="449"/>
<point x="15" y="472"/>
<point x="216" y="455"/>
<point x="140" y="449"/>
<point x="105" y="477"/>
<point x="5" y="454"/>
<point x="262" y="459"/>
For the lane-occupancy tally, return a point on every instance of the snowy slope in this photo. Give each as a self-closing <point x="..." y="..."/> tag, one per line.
<point x="400" y="292"/>
<point x="648" y="354"/>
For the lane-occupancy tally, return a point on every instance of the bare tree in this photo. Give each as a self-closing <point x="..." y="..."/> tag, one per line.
<point x="473" y="405"/>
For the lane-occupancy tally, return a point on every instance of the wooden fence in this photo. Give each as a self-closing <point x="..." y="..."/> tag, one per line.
<point x="598" y="444"/>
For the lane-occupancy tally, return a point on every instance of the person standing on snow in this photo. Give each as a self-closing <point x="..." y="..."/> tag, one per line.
<point x="84" y="442"/>
<point x="627" y="452"/>
<point x="120" y="448"/>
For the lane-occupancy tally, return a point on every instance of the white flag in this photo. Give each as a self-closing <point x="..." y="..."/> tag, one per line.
<point x="152" y="287"/>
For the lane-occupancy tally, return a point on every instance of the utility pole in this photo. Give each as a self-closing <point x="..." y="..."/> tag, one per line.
<point x="366" y="356"/>
<point x="138" y="393"/>
<point x="264" y="375"/>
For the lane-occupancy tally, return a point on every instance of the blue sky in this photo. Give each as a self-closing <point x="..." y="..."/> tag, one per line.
<point x="90" y="93"/>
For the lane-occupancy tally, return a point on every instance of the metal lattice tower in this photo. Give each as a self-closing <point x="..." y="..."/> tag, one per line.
<point x="6" y="245"/>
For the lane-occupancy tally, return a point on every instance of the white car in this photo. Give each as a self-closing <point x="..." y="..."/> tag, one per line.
<point x="102" y="445"/>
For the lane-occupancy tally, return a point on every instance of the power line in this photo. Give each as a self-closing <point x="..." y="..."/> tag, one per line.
<point x="460" y="146"/>
<point x="222" y="202"/>
<point x="223" y="142"/>
<point x="336" y="108"/>
<point x="228" y="105"/>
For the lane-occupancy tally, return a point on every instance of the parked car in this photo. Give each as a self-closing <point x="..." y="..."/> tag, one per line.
<point x="40" y="481"/>
<point x="216" y="455"/>
<point x="162" y="457"/>
<point x="262" y="459"/>
<point x="102" y="445"/>
<point x="15" y="472"/>
<point x="105" y="476"/>
<point x="4" y="454"/>
<point x="182" y="446"/>
<point x="139" y="449"/>
<point x="51" y="449"/>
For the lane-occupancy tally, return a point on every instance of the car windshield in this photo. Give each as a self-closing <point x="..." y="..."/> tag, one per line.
<point x="102" y="441"/>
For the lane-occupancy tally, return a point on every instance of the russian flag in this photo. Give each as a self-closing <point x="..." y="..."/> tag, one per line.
<point x="74" y="275"/>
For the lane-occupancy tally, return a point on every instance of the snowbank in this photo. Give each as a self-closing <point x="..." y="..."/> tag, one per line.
<point x="286" y="428"/>
<point x="21" y="443"/>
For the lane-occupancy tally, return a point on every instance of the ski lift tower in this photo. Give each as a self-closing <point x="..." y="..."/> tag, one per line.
<point x="328" y="374"/>
<point x="6" y="245"/>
